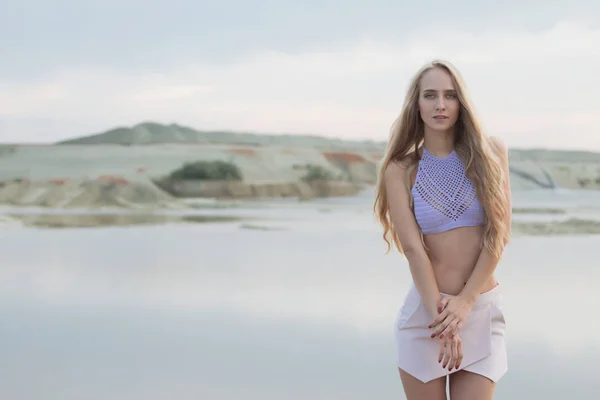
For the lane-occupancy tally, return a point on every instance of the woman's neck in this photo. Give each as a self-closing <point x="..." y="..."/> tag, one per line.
<point x="440" y="144"/>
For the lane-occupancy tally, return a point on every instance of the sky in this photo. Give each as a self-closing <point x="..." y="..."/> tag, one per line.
<point x="331" y="67"/>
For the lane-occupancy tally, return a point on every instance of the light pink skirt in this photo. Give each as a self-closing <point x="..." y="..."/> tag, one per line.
<point x="482" y="334"/>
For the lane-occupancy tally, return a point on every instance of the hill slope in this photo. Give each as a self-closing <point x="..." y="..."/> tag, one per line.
<point x="153" y="133"/>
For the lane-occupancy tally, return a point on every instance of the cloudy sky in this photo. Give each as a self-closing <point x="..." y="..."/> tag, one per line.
<point x="333" y="67"/>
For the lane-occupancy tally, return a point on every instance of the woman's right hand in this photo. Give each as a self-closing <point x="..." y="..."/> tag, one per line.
<point x="451" y="352"/>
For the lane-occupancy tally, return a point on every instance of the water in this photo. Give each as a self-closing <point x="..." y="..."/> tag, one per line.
<point x="213" y="311"/>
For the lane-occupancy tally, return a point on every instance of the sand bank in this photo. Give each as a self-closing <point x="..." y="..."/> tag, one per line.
<point x="244" y="190"/>
<point x="572" y="226"/>
<point x="108" y="220"/>
<point x="101" y="192"/>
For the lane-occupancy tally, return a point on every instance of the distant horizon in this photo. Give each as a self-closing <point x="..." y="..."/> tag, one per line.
<point x="261" y="133"/>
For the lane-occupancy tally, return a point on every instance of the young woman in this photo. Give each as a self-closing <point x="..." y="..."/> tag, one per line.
<point x="443" y="198"/>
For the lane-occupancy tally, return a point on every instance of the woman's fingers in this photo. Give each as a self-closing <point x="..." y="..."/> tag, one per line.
<point x="458" y="328"/>
<point x="450" y="329"/>
<point x="451" y="353"/>
<point x="441" y="327"/>
<point x="438" y="320"/>
<point x="453" y="362"/>
<point x="460" y="353"/>
<point x="448" y="353"/>
<point x="442" y="304"/>
<point x="442" y="350"/>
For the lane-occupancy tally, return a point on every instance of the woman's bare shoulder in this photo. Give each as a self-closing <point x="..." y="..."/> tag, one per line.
<point x="396" y="169"/>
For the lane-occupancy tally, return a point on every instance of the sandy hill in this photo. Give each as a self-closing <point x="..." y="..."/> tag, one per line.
<point x="121" y="167"/>
<point x="149" y="133"/>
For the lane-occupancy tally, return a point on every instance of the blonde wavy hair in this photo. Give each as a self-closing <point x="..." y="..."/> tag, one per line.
<point x="477" y="151"/>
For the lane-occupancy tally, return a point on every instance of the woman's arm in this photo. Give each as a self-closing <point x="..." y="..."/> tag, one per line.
<point x="487" y="262"/>
<point x="460" y="306"/>
<point x="396" y="185"/>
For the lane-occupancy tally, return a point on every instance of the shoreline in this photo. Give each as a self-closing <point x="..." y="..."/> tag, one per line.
<point x="259" y="215"/>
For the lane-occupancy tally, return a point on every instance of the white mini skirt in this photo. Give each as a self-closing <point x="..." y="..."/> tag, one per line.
<point x="482" y="334"/>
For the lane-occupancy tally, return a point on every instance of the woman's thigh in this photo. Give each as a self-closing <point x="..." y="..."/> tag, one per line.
<point x="417" y="390"/>
<point x="465" y="385"/>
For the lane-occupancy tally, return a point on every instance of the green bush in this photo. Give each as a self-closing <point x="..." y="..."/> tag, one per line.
<point x="317" y="173"/>
<point x="583" y="182"/>
<point x="207" y="170"/>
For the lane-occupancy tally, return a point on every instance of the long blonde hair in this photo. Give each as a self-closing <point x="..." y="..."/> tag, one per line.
<point x="479" y="155"/>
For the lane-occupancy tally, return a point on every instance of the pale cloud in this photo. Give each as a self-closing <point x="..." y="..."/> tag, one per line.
<point x="532" y="89"/>
<point x="170" y="92"/>
<point x="27" y="99"/>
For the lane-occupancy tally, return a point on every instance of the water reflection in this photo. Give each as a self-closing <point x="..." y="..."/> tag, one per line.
<point x="214" y="311"/>
<point x="136" y="353"/>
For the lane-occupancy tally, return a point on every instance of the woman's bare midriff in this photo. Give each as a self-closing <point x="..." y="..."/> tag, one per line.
<point x="453" y="255"/>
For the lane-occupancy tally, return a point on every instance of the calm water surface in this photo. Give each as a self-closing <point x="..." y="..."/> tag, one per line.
<point x="306" y="311"/>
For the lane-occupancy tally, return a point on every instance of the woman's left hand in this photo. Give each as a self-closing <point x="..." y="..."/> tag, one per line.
<point x="453" y="313"/>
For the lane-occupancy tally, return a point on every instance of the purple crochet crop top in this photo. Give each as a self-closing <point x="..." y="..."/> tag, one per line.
<point x="444" y="197"/>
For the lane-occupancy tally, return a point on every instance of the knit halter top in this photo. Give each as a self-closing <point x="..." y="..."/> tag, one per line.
<point x="444" y="197"/>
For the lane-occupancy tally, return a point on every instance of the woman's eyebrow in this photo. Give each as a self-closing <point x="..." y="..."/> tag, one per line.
<point x="435" y="90"/>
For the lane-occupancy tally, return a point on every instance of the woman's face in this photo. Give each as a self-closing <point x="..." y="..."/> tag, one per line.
<point x="438" y="101"/>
